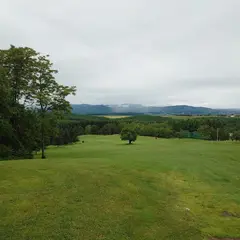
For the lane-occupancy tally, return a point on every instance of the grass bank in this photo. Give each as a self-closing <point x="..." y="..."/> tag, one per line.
<point x="104" y="189"/>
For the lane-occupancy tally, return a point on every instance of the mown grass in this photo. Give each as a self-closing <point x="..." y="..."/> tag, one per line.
<point x="105" y="189"/>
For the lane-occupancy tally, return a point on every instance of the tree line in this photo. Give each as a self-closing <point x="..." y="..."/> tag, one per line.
<point x="215" y="128"/>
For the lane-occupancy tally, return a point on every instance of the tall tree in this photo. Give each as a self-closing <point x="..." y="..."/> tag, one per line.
<point x="15" y="71"/>
<point x="48" y="96"/>
<point x="29" y="96"/>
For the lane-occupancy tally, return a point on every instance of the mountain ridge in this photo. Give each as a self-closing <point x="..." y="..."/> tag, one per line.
<point x="102" y="109"/>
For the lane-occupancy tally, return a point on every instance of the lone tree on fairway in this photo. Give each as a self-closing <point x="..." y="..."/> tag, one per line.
<point x="129" y="134"/>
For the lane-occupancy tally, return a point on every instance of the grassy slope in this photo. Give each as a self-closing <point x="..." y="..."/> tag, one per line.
<point x="103" y="189"/>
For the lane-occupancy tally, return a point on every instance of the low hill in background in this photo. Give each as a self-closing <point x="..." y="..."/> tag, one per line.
<point x="91" y="109"/>
<point x="131" y="109"/>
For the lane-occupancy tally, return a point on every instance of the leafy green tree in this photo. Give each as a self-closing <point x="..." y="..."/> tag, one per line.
<point x="66" y="136"/>
<point x="68" y="132"/>
<point x="22" y="128"/>
<point x="190" y="125"/>
<point x="88" y="129"/>
<point x="205" y="131"/>
<point x="47" y="95"/>
<point x="80" y="130"/>
<point x="94" y="129"/>
<point x="6" y="129"/>
<point x="210" y="133"/>
<point x="59" y="141"/>
<point x="109" y="129"/>
<point x="128" y="134"/>
<point x="223" y="134"/>
<point x="236" y="135"/>
<point x="5" y="95"/>
<point x="18" y="64"/>
<point x="165" y="132"/>
<point x="31" y="95"/>
<point x="148" y="130"/>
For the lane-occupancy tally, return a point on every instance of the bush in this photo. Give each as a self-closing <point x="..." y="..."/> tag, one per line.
<point x="236" y="136"/>
<point x="5" y="152"/>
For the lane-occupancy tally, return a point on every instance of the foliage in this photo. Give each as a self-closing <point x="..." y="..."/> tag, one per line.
<point x="47" y="95"/>
<point x="129" y="134"/>
<point x="109" y="129"/>
<point x="206" y="132"/>
<point x="88" y="129"/>
<point x="31" y="102"/>
<point x="68" y="132"/>
<point x="236" y="135"/>
<point x="94" y="129"/>
<point x="163" y="127"/>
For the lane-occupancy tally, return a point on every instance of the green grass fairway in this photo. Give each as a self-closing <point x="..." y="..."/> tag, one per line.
<point x="107" y="190"/>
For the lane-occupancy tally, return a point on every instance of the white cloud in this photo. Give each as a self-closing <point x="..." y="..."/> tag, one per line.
<point x="150" y="52"/>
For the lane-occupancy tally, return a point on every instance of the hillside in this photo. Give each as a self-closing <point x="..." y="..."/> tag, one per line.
<point x="137" y="109"/>
<point x="91" y="109"/>
<point x="104" y="189"/>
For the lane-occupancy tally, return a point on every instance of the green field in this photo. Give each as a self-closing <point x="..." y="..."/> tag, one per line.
<point x="105" y="189"/>
<point x="116" y="116"/>
<point x="182" y="117"/>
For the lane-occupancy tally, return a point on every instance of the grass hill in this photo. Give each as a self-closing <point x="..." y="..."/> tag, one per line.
<point x="104" y="189"/>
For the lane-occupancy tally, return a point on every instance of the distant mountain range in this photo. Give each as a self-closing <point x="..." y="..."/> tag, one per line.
<point x="140" y="109"/>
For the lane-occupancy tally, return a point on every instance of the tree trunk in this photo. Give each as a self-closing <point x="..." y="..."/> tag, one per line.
<point x="42" y="131"/>
<point x="130" y="141"/>
<point x="42" y="134"/>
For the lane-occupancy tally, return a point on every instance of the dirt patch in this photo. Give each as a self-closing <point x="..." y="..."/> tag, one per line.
<point x="229" y="214"/>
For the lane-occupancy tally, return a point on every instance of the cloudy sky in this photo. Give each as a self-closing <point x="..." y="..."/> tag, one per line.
<point x="152" y="52"/>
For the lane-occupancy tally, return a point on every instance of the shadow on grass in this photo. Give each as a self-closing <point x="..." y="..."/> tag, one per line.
<point x="20" y="159"/>
<point x="127" y="144"/>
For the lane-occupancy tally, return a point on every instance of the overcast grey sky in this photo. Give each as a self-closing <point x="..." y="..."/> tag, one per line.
<point x="152" y="52"/>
